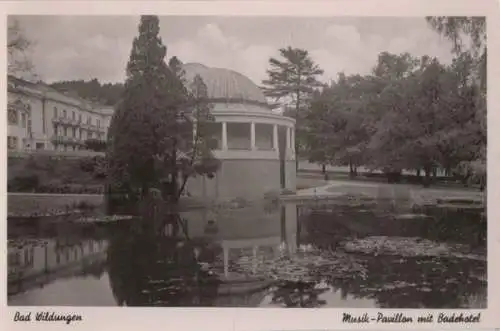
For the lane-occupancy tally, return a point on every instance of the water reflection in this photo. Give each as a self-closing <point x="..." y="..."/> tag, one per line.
<point x="248" y="257"/>
<point x="37" y="262"/>
<point x="159" y="272"/>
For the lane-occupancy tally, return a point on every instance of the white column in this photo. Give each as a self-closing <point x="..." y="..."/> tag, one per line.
<point x="276" y="252"/>
<point x="288" y="144"/>
<point x="254" y="262"/>
<point x="275" y="137"/>
<point x="224" y="136"/>
<point x="195" y="128"/>
<point x="226" y="261"/>
<point x="204" y="187"/>
<point x="252" y="136"/>
<point x="292" y="138"/>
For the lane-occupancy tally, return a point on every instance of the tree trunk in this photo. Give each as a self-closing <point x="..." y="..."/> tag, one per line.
<point x="465" y="180"/>
<point x="144" y="191"/>
<point x="323" y="169"/>
<point x="351" y="170"/>
<point x="175" y="172"/>
<point x="297" y="127"/>
<point x="419" y="176"/>
<point x="427" y="179"/>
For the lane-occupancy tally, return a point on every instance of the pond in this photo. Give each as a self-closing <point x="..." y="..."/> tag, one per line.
<point x="338" y="254"/>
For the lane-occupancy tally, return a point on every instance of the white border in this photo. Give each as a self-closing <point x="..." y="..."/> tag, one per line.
<point x="221" y="319"/>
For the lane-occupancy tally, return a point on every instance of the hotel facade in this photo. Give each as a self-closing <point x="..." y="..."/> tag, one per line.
<point x="42" y="118"/>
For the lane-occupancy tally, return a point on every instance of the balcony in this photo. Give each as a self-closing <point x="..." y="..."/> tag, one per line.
<point x="63" y="140"/>
<point x="79" y="124"/>
<point x="66" y="121"/>
<point x="92" y="127"/>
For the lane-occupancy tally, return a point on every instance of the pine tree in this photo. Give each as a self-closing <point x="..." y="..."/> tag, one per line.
<point x="151" y="133"/>
<point x="295" y="77"/>
<point x="146" y="111"/>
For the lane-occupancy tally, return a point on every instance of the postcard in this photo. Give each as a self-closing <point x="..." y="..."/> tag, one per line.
<point x="211" y="165"/>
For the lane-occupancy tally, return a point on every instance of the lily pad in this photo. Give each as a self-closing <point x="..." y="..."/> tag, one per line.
<point x="409" y="247"/>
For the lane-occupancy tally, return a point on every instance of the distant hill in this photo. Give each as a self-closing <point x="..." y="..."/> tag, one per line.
<point x="107" y="94"/>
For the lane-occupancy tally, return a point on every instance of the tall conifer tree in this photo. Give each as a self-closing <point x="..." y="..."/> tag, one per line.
<point x="151" y="133"/>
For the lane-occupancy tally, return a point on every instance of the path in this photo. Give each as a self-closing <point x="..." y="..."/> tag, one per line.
<point x="413" y="193"/>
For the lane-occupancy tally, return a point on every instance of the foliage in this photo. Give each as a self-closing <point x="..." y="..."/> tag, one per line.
<point x="468" y="36"/>
<point x="336" y="134"/>
<point x="18" y="46"/>
<point x="464" y="32"/>
<point x="26" y="183"/>
<point x="150" y="139"/>
<point x="104" y="93"/>
<point x="65" y="175"/>
<point x="95" y="145"/>
<point x="96" y="166"/>
<point x="410" y="113"/>
<point x="293" y="78"/>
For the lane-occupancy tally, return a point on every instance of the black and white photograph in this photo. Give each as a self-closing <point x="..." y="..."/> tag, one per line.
<point x="247" y="161"/>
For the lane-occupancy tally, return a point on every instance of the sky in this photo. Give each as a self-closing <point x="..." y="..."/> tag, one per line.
<point x="87" y="47"/>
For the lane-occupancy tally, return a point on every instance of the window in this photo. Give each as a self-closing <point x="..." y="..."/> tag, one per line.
<point x="65" y="132"/>
<point x="74" y="132"/>
<point x="28" y="257"/>
<point x="89" y="120"/>
<point x="98" y="123"/>
<point x="12" y="142"/>
<point x="79" y="118"/>
<point x="55" y="112"/>
<point x="23" y="120"/>
<point x="14" y="259"/>
<point x="65" y="113"/>
<point x="13" y="120"/>
<point x="29" y="126"/>
<point x="43" y="117"/>
<point x="73" y="116"/>
<point x="89" y="135"/>
<point x="40" y="146"/>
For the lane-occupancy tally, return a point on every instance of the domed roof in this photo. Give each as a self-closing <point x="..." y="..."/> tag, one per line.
<point x="225" y="85"/>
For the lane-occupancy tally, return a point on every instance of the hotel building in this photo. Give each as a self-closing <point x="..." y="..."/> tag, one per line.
<point x="42" y="118"/>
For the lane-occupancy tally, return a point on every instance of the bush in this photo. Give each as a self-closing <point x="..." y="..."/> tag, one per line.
<point x="287" y="191"/>
<point x="393" y="176"/>
<point x="271" y="195"/>
<point x="70" y="189"/>
<point x="28" y="183"/>
<point x="94" y="165"/>
<point x="87" y="164"/>
<point x="95" y="145"/>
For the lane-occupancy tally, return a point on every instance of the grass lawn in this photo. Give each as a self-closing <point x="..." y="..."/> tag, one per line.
<point x="309" y="182"/>
<point x="27" y="203"/>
